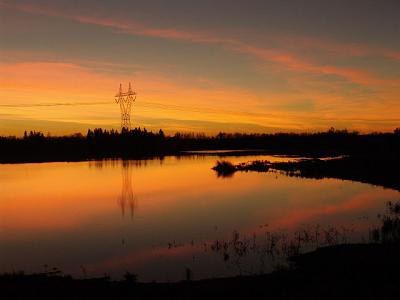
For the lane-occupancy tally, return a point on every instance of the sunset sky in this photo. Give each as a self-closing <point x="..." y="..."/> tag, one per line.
<point x="200" y="66"/>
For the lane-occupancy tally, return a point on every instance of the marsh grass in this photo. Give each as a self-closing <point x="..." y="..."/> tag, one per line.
<point x="389" y="229"/>
<point x="279" y="247"/>
<point x="254" y="253"/>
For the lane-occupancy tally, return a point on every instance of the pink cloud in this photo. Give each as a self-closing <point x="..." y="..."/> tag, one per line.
<point x="297" y="64"/>
<point x="129" y="27"/>
<point x="330" y="46"/>
<point x="285" y="59"/>
<point x="392" y="54"/>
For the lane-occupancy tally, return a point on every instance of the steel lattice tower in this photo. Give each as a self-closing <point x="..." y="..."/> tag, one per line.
<point x="125" y="100"/>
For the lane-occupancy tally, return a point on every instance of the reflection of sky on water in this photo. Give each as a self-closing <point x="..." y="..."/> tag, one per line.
<point x="153" y="217"/>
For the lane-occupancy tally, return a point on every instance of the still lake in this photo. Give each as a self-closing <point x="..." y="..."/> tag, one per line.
<point x="160" y="218"/>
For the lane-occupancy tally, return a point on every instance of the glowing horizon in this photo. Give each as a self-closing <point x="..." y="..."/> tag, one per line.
<point x="204" y="67"/>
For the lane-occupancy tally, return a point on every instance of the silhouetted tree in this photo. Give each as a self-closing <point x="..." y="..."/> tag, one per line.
<point x="101" y="143"/>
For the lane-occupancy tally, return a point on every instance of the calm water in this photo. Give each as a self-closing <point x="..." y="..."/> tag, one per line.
<point x="156" y="218"/>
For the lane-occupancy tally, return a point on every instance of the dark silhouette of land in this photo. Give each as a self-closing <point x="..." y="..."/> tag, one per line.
<point x="380" y="170"/>
<point x="140" y="143"/>
<point x="358" y="271"/>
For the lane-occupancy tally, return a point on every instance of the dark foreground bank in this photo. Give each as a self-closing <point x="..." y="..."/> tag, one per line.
<point x="360" y="271"/>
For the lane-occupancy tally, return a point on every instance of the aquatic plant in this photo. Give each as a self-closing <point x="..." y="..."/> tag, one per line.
<point x="277" y="247"/>
<point x="389" y="229"/>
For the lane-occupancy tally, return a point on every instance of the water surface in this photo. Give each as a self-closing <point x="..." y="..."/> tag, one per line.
<point x="157" y="218"/>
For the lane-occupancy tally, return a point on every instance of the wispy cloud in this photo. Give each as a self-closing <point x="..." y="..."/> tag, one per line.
<point x="36" y="89"/>
<point x="283" y="58"/>
<point x="337" y="48"/>
<point x="295" y="63"/>
<point x="343" y="94"/>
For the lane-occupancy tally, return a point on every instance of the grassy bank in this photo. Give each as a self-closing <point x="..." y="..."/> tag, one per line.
<point x="377" y="170"/>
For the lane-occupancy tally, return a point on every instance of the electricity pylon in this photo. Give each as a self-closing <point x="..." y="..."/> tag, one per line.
<point x="125" y="100"/>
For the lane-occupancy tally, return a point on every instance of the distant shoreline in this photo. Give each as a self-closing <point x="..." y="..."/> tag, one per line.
<point x="141" y="144"/>
<point x="217" y="153"/>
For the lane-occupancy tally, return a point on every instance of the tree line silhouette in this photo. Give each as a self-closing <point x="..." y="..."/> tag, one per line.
<point x="140" y="143"/>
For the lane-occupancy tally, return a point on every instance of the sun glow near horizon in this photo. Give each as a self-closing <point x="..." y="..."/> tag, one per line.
<point x="61" y="66"/>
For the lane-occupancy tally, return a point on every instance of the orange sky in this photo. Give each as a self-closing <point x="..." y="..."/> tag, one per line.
<point x="61" y="65"/>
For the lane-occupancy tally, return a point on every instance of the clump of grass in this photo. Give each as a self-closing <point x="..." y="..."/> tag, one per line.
<point x="224" y="168"/>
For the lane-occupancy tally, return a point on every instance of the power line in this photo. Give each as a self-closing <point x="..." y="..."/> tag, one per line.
<point x="54" y="104"/>
<point x="152" y="104"/>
